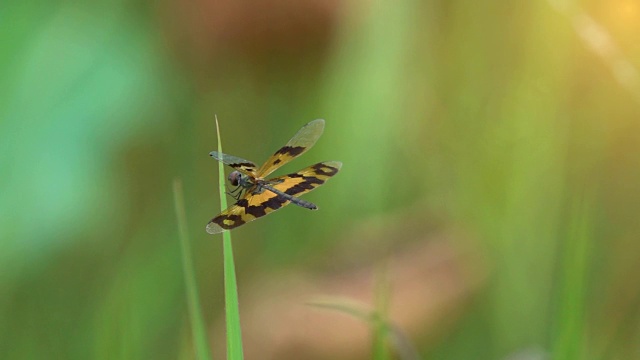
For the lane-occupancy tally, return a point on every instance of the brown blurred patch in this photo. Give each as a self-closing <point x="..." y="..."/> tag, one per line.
<point x="430" y="282"/>
<point x="200" y="30"/>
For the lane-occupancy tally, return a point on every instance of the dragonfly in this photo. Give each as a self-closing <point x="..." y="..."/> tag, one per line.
<point x="256" y="197"/>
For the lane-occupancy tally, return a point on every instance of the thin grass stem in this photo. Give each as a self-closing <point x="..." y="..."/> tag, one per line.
<point x="234" y="333"/>
<point x="197" y="322"/>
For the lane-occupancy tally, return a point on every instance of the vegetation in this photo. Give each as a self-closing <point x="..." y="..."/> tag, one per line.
<point x="490" y="150"/>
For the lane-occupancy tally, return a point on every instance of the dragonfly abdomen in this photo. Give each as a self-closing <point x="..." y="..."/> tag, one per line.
<point x="294" y="200"/>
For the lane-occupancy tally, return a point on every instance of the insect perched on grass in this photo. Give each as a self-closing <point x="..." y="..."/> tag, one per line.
<point x="261" y="196"/>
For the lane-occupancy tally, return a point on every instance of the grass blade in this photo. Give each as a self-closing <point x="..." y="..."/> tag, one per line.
<point x="570" y="341"/>
<point x="234" y="333"/>
<point x="403" y="346"/>
<point x="380" y="350"/>
<point x="197" y="322"/>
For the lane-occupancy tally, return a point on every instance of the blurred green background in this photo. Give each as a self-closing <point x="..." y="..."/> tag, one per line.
<point x="491" y="175"/>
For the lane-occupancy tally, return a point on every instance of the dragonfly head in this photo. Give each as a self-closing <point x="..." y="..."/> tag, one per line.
<point x="235" y="178"/>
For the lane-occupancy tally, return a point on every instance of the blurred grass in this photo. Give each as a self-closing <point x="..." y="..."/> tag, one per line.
<point x="570" y="340"/>
<point x="495" y="116"/>
<point x="379" y="324"/>
<point x="383" y="331"/>
<point x="198" y="328"/>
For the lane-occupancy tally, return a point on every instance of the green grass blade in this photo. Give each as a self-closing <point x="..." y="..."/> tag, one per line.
<point x="197" y="322"/>
<point x="380" y="350"/>
<point x="234" y="333"/>
<point x="570" y="340"/>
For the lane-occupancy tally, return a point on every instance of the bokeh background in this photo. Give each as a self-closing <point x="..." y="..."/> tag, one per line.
<point x="489" y="196"/>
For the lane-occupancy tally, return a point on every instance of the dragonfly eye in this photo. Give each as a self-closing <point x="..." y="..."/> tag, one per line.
<point x="234" y="178"/>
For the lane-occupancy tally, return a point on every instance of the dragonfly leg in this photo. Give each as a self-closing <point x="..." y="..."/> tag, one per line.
<point x="235" y="193"/>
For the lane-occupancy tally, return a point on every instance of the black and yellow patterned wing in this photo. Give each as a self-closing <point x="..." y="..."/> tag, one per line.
<point x="302" y="141"/>
<point x="258" y="204"/>
<point x="307" y="179"/>
<point x="244" y="166"/>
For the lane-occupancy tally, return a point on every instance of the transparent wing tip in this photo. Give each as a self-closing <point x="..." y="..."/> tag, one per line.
<point x="213" y="228"/>
<point x="334" y="164"/>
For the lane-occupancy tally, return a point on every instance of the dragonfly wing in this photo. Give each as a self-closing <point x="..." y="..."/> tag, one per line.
<point x="244" y="166"/>
<point x="256" y="204"/>
<point x="306" y="179"/>
<point x="302" y="141"/>
<point x="253" y="205"/>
